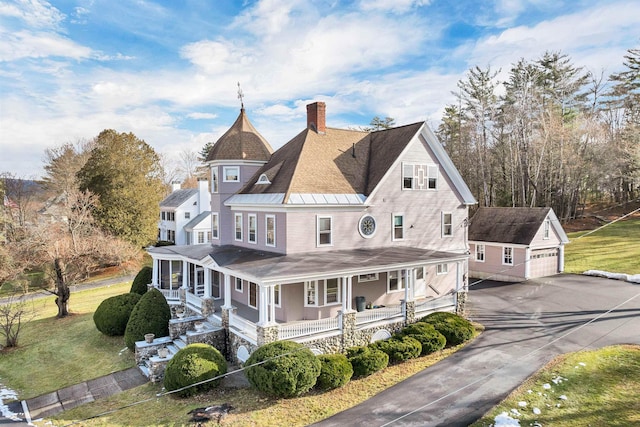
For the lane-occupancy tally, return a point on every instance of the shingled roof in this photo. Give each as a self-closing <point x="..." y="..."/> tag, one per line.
<point x="337" y="161"/>
<point x="508" y="225"/>
<point x="241" y="142"/>
<point x="178" y="197"/>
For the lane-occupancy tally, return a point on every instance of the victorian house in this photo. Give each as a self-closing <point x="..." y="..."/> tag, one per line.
<point x="338" y="238"/>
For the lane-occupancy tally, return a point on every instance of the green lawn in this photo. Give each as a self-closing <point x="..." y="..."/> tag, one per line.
<point x="615" y="248"/>
<point x="587" y="388"/>
<point x="54" y="353"/>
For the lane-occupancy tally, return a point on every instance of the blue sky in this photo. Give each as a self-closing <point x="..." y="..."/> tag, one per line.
<point x="168" y="70"/>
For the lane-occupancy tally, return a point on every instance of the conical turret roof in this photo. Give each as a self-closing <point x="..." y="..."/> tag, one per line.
<point x="241" y="142"/>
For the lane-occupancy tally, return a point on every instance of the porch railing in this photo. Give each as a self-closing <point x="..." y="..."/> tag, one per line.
<point x="376" y="314"/>
<point x="308" y="327"/>
<point x="194" y="302"/>
<point x="170" y="294"/>
<point x="245" y="327"/>
<point x="434" y="304"/>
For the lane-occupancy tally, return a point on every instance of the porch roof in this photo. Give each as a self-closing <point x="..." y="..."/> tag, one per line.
<point x="269" y="267"/>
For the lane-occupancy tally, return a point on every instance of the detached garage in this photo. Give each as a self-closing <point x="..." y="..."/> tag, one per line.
<point x="514" y="244"/>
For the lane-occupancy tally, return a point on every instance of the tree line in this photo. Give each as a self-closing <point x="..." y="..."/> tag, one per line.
<point x="550" y="134"/>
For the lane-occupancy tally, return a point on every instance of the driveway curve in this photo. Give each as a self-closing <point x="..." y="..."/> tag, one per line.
<point x="526" y="325"/>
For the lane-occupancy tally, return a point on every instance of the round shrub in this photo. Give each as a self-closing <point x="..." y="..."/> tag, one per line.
<point x="142" y="279"/>
<point x="430" y="339"/>
<point x="366" y="361"/>
<point x="289" y="369"/>
<point x="113" y="313"/>
<point x="335" y="371"/>
<point x="151" y="315"/>
<point x="455" y="329"/>
<point x="191" y="365"/>
<point x="399" y="348"/>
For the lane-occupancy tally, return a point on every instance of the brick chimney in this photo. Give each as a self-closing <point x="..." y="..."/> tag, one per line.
<point x="316" y="120"/>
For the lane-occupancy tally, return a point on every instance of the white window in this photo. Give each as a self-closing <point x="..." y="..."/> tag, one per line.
<point x="238" y="284"/>
<point x="214" y="225"/>
<point x="270" y="228"/>
<point x="419" y="177"/>
<point x="230" y="174"/>
<point x="163" y="215"/>
<point x="432" y="177"/>
<point x="479" y="253"/>
<point x="371" y="277"/>
<point x="263" y="180"/>
<point x="311" y="293"/>
<point x="253" y="224"/>
<point x="253" y="295"/>
<point x="507" y="255"/>
<point x="395" y="281"/>
<point x="208" y="236"/>
<point x="214" y="179"/>
<point x="324" y="231"/>
<point x="398" y="227"/>
<point x="442" y="268"/>
<point x="447" y="225"/>
<point x="332" y="291"/>
<point x="238" y="234"/>
<point x="276" y="295"/>
<point x="187" y="215"/>
<point x="547" y="227"/>
<point x="200" y="236"/>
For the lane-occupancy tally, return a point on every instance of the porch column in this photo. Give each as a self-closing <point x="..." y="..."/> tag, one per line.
<point x="227" y="291"/>
<point x="272" y="303"/>
<point x="262" y="305"/>
<point x="185" y="274"/>
<point x="527" y="263"/>
<point x="561" y="259"/>
<point x="207" y="282"/>
<point x="409" y="277"/>
<point x="154" y="274"/>
<point x="347" y="294"/>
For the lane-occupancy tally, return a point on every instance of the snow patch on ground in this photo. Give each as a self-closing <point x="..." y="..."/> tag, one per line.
<point x="631" y="278"/>
<point x="504" y="420"/>
<point x="7" y="394"/>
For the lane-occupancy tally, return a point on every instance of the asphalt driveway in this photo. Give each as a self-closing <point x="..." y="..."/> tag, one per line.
<point x="527" y="324"/>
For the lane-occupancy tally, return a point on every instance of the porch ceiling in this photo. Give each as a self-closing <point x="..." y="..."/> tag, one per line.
<point x="268" y="267"/>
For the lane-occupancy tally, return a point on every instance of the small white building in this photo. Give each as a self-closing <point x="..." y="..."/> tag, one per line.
<point x="185" y="218"/>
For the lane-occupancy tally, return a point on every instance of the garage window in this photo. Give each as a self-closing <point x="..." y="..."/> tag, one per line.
<point x="507" y="255"/>
<point x="480" y="253"/>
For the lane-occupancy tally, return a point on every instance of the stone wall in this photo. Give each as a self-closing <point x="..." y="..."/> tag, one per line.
<point x="461" y="303"/>
<point x="235" y="342"/>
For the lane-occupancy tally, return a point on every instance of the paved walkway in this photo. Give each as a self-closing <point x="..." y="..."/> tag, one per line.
<point x="526" y="325"/>
<point x="69" y="397"/>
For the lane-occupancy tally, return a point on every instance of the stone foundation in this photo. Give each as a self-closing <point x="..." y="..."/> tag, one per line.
<point x="461" y="303"/>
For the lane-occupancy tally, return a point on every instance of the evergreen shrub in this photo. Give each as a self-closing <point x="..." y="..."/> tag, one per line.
<point x="193" y="364"/>
<point x="430" y="339"/>
<point x="399" y="348"/>
<point x="366" y="361"/>
<point x="142" y="279"/>
<point x="335" y="371"/>
<point x="289" y="369"/>
<point x="113" y="313"/>
<point x="456" y="329"/>
<point x="151" y="315"/>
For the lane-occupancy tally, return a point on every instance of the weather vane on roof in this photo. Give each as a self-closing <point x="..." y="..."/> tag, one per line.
<point x="240" y="96"/>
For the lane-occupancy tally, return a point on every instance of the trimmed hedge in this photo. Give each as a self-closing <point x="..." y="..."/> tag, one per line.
<point x="366" y="361"/>
<point x="430" y="339"/>
<point x="289" y="369"/>
<point x="335" y="371"/>
<point x="399" y="348"/>
<point x="113" y="313"/>
<point x="142" y="279"/>
<point x="150" y="316"/>
<point x="456" y="329"/>
<point x="191" y="365"/>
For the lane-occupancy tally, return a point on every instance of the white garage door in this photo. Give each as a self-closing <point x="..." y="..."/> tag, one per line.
<point x="544" y="262"/>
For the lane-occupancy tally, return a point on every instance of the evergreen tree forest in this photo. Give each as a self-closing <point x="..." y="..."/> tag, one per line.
<point x="547" y="133"/>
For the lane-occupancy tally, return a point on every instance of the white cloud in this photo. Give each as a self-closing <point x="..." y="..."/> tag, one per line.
<point x="25" y="44"/>
<point x="396" y="6"/>
<point x="202" y="116"/>
<point x="35" y="13"/>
